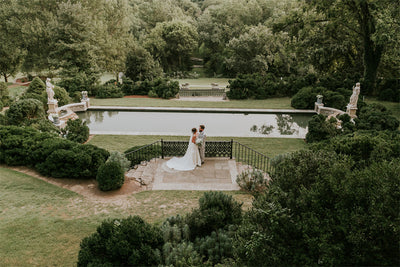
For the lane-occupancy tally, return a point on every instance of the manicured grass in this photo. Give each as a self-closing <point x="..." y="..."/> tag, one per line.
<point x="16" y="90"/>
<point x="43" y="225"/>
<point x="268" y="146"/>
<point x="273" y="103"/>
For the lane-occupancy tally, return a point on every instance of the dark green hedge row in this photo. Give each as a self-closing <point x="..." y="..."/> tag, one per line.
<point x="257" y="86"/>
<point x="49" y="154"/>
<point x="161" y="87"/>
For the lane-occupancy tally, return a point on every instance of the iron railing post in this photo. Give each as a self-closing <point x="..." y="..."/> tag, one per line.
<point x="231" y="149"/>
<point x="162" y="149"/>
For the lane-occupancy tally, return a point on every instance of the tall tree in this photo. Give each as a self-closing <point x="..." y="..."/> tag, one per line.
<point x="172" y="43"/>
<point x="11" y="51"/>
<point x="114" y="39"/>
<point x="375" y="23"/>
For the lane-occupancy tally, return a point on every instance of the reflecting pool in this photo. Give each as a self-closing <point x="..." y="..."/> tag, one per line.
<point x="179" y="123"/>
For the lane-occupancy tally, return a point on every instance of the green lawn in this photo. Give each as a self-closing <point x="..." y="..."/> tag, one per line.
<point x="273" y="103"/>
<point x="16" y="90"/>
<point x="268" y="146"/>
<point x="43" y="225"/>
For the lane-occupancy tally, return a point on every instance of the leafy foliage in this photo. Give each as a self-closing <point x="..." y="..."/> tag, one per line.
<point x="217" y="211"/>
<point x="116" y="156"/>
<point x="76" y="130"/>
<point x="140" y="65"/>
<point x="376" y="117"/>
<point x="252" y="181"/>
<point x="110" y="176"/>
<point x="122" y="242"/>
<point x="49" y="154"/>
<point x="23" y="110"/>
<point x="61" y="95"/>
<point x="37" y="86"/>
<point x="364" y="148"/>
<point x="108" y="91"/>
<point x="317" y="211"/>
<point x="320" y="129"/>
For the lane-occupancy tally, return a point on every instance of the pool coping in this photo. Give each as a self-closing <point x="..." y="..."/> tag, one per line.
<point x="203" y="110"/>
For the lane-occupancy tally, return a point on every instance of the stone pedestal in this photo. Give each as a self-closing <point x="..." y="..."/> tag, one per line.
<point x="351" y="110"/>
<point x="53" y="106"/>
<point x="317" y="106"/>
<point x="86" y="101"/>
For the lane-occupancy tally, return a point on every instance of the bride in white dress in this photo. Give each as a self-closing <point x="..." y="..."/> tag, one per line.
<point x="190" y="160"/>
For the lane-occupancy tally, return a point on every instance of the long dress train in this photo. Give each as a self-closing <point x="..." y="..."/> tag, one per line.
<point x="189" y="161"/>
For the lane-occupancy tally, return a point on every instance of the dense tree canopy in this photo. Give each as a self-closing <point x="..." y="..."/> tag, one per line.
<point x="292" y="37"/>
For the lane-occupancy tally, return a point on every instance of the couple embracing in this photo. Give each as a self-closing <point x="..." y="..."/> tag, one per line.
<point x="194" y="155"/>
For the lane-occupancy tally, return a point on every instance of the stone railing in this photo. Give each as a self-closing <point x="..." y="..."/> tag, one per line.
<point x="67" y="112"/>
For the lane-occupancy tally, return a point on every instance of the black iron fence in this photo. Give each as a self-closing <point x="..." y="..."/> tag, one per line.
<point x="229" y="149"/>
<point x="202" y="92"/>
<point x="247" y="155"/>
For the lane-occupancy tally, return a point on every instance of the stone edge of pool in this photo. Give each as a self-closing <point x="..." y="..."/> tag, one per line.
<point x="208" y="110"/>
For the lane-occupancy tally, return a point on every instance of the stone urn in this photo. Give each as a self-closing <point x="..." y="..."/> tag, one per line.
<point x="319" y="99"/>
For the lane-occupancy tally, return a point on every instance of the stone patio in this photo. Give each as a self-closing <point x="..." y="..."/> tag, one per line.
<point x="215" y="174"/>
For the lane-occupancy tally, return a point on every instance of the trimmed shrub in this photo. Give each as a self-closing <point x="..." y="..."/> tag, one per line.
<point x="320" y="129"/>
<point x="76" y="130"/>
<point x="217" y="211"/>
<point x="376" y="117"/>
<point x="61" y="95"/>
<point x="364" y="148"/>
<point x="18" y="143"/>
<point x="43" y="125"/>
<point x="252" y="181"/>
<point x="81" y="162"/>
<point x="23" y="110"/>
<point x="116" y="156"/>
<point x="37" y="86"/>
<point x="165" y="88"/>
<point x="108" y="91"/>
<point x="122" y="242"/>
<point x="110" y="176"/>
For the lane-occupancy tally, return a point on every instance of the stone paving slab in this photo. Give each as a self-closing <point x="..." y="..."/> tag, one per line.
<point x="215" y="174"/>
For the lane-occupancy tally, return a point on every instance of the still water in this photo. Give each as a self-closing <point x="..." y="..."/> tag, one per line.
<point x="179" y="123"/>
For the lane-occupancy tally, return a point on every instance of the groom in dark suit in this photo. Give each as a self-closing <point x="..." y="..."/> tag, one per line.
<point x="202" y="147"/>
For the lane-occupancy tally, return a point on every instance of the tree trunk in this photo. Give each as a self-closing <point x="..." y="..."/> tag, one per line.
<point x="372" y="58"/>
<point x="372" y="51"/>
<point x="5" y="78"/>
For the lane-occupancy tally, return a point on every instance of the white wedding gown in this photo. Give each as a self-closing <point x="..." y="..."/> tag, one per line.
<point x="189" y="161"/>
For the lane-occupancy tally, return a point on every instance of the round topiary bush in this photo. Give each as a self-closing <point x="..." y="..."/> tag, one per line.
<point x="37" y="86"/>
<point x="110" y="176"/>
<point x="122" y="242"/>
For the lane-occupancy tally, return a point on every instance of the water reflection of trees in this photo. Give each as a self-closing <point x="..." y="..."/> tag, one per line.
<point x="285" y="124"/>
<point x="264" y="129"/>
<point x="98" y="116"/>
<point x="112" y="113"/>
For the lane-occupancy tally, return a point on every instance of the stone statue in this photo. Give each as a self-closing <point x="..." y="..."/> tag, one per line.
<point x="354" y="96"/>
<point x="49" y="90"/>
<point x="84" y="95"/>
